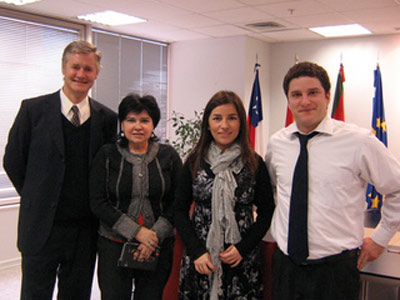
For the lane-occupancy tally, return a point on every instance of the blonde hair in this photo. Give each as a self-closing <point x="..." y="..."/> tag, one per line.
<point x="81" y="46"/>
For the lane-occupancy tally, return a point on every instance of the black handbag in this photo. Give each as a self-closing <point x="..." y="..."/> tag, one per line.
<point x="126" y="259"/>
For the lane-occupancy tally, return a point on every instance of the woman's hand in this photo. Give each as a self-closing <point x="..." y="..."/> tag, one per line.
<point x="143" y="252"/>
<point x="148" y="238"/>
<point x="231" y="256"/>
<point x="204" y="265"/>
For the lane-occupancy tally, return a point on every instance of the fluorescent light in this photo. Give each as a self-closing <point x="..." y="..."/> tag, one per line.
<point x="110" y="17"/>
<point x="19" y="2"/>
<point x="341" y="30"/>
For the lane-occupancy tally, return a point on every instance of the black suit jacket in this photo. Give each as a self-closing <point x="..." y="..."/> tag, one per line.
<point x="35" y="163"/>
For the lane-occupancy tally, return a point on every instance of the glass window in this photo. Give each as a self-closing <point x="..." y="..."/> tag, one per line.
<point x="30" y="64"/>
<point x="30" y="59"/>
<point x="132" y="65"/>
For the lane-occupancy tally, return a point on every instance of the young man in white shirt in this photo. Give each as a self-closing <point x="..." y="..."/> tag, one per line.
<point x="342" y="160"/>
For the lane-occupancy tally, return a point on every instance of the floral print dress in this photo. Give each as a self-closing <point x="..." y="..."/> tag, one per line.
<point x="244" y="281"/>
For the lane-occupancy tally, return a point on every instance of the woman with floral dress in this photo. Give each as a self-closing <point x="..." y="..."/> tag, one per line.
<point x="226" y="180"/>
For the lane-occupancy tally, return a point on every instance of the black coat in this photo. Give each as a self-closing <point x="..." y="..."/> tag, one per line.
<point x="35" y="163"/>
<point x="111" y="195"/>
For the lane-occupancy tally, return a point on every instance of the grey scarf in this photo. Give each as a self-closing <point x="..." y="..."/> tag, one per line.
<point x="140" y="203"/>
<point x="224" y="228"/>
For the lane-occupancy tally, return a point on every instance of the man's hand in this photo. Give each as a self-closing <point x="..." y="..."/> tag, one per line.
<point x="369" y="251"/>
<point x="204" y="264"/>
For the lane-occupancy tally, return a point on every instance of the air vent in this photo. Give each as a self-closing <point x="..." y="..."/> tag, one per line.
<point x="269" y="25"/>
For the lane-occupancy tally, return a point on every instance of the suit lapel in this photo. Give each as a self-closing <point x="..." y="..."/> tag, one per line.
<point x="54" y="121"/>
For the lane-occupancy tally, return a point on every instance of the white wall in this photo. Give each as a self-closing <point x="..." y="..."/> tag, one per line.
<point x="9" y="255"/>
<point x="360" y="56"/>
<point x="198" y="69"/>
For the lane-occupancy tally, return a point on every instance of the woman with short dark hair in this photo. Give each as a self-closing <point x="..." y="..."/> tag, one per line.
<point x="132" y="189"/>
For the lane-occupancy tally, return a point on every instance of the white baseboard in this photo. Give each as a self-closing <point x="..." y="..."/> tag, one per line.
<point x="5" y="264"/>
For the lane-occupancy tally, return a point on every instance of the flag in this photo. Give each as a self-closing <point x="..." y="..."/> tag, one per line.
<point x="289" y="117"/>
<point x="255" y="109"/>
<point x="338" y="101"/>
<point x="374" y="199"/>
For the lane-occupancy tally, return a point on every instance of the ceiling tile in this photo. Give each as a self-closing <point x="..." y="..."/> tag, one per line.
<point x="150" y="30"/>
<point x="263" y="37"/>
<point x="382" y="27"/>
<point x="260" y="2"/>
<point x="378" y="14"/>
<point x="346" y="5"/>
<point x="295" y="8"/>
<point x="52" y="8"/>
<point x="239" y="15"/>
<point x="115" y="4"/>
<point x="156" y="11"/>
<point x="293" y="35"/>
<point x="193" y="21"/>
<point x="320" y="20"/>
<point x="204" y="5"/>
<point x="222" y="30"/>
<point x="151" y="25"/>
<point x="184" y="35"/>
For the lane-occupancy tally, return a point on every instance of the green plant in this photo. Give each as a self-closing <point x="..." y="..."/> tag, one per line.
<point x="187" y="132"/>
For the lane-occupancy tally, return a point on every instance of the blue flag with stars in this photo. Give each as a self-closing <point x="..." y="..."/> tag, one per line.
<point x="374" y="199"/>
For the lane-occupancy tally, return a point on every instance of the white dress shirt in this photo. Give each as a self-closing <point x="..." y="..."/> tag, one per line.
<point x="343" y="158"/>
<point x="84" y="107"/>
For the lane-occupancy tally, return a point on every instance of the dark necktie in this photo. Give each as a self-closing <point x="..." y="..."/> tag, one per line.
<point x="298" y="237"/>
<point x="75" y="116"/>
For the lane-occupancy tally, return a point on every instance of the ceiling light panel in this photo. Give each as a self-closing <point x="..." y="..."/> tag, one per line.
<point x="19" y="2"/>
<point x="110" y="17"/>
<point x="341" y="30"/>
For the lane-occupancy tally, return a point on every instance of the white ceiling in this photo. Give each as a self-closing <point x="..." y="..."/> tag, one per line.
<point x="178" y="20"/>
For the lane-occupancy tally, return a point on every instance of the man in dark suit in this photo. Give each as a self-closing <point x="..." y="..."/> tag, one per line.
<point x="48" y="155"/>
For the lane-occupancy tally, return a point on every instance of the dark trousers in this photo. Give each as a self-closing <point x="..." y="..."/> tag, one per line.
<point x="329" y="279"/>
<point x="70" y="255"/>
<point x="116" y="282"/>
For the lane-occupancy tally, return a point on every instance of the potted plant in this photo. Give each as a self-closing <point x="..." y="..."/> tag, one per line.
<point x="187" y="132"/>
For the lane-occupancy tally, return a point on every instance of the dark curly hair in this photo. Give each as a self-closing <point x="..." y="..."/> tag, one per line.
<point x="307" y="69"/>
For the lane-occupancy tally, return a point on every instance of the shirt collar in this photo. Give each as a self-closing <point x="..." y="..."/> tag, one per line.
<point x="66" y="104"/>
<point x="325" y="127"/>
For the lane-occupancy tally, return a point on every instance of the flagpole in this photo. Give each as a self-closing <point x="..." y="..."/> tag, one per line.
<point x="377" y="60"/>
